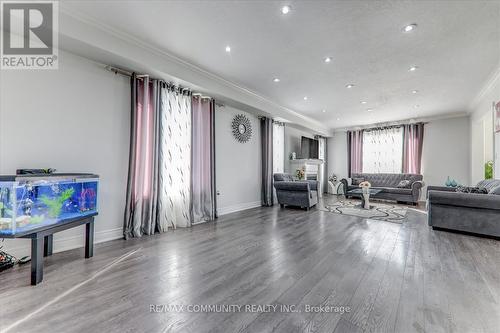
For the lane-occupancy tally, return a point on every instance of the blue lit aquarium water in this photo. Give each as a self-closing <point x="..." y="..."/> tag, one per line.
<point x="36" y="201"/>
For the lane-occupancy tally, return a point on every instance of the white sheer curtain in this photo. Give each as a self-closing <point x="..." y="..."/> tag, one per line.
<point x="383" y="150"/>
<point x="174" y="190"/>
<point x="322" y="156"/>
<point x="278" y="147"/>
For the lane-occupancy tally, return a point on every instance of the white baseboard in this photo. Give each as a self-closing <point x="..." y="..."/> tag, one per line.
<point x="108" y="235"/>
<point x="66" y="243"/>
<point x="236" y="208"/>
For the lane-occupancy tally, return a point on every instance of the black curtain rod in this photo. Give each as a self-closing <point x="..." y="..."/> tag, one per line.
<point x="368" y="129"/>
<point x="171" y="85"/>
<point x="382" y="127"/>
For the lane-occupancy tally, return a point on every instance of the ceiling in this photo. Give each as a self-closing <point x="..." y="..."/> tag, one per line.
<point x="456" y="47"/>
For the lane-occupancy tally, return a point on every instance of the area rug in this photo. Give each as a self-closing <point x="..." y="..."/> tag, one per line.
<point x="378" y="211"/>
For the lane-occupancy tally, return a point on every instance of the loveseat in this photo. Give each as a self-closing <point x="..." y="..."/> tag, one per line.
<point x="477" y="213"/>
<point x="390" y="184"/>
<point x="300" y="193"/>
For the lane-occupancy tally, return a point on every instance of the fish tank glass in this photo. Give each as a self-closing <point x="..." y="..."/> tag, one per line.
<point x="30" y="202"/>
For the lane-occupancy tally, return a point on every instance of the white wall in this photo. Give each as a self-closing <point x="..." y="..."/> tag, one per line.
<point x="75" y="119"/>
<point x="481" y="125"/>
<point x="337" y="155"/>
<point x="238" y="165"/>
<point x="446" y="151"/>
<point x="481" y="144"/>
<point x="477" y="128"/>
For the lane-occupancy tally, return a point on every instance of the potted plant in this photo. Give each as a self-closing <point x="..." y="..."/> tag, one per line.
<point x="488" y="170"/>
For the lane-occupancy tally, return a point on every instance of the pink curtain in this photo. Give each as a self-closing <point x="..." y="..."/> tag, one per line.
<point x="413" y="139"/>
<point x="355" y="151"/>
<point x="140" y="210"/>
<point x="203" y="160"/>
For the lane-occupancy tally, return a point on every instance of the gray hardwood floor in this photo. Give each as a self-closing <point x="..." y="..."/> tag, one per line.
<point x="393" y="277"/>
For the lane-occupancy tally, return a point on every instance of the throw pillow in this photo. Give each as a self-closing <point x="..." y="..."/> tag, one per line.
<point x="404" y="184"/>
<point x="357" y="181"/>
<point x="488" y="184"/>
<point x="471" y="189"/>
<point x="496" y="191"/>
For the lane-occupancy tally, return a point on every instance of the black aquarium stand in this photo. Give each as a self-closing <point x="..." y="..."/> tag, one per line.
<point x="42" y="240"/>
<point x="42" y="237"/>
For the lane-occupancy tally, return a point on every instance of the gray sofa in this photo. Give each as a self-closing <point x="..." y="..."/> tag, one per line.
<point x="465" y="212"/>
<point x="388" y="183"/>
<point x="302" y="193"/>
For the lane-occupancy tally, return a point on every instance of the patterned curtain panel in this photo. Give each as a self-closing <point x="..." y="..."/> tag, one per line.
<point x="383" y="150"/>
<point x="140" y="209"/>
<point x="278" y="147"/>
<point x="322" y="156"/>
<point x="354" y="152"/>
<point x="413" y="142"/>
<point x="174" y="196"/>
<point x="158" y="187"/>
<point x="203" y="160"/>
<point x="266" y="132"/>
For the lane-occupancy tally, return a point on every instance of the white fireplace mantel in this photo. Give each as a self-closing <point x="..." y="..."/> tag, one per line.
<point x="307" y="161"/>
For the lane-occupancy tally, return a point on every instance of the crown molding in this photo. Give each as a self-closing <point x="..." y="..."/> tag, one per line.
<point x="490" y="82"/>
<point x="91" y="22"/>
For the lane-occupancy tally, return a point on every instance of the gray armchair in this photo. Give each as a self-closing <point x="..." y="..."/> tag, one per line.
<point x="303" y="193"/>
<point x="466" y="212"/>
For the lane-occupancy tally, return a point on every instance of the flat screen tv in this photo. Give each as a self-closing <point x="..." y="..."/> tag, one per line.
<point x="309" y="148"/>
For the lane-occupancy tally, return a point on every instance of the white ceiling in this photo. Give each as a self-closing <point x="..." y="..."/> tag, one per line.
<point x="456" y="47"/>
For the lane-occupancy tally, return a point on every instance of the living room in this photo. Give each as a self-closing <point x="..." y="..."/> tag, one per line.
<point x="250" y="166"/>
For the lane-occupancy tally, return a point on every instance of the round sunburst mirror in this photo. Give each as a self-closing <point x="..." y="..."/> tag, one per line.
<point x="242" y="128"/>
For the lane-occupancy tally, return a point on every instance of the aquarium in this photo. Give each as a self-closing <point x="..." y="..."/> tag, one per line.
<point x="31" y="202"/>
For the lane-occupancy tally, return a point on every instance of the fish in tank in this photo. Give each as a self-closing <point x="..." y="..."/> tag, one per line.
<point x="30" y="202"/>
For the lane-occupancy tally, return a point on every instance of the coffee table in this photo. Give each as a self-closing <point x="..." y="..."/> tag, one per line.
<point x="365" y="198"/>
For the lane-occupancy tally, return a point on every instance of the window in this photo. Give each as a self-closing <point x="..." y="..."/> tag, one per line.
<point x="383" y="150"/>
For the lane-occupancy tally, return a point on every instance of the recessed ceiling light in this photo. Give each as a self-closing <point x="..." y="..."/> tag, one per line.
<point x="305" y="98"/>
<point x="323" y="110"/>
<point x="364" y="102"/>
<point x="349" y="86"/>
<point x="286" y="9"/>
<point x="369" y="110"/>
<point x="414" y="91"/>
<point x="228" y="48"/>
<point x="413" y="68"/>
<point x="338" y="119"/>
<point x="328" y="59"/>
<point x="276" y="80"/>
<point x="410" y="27"/>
